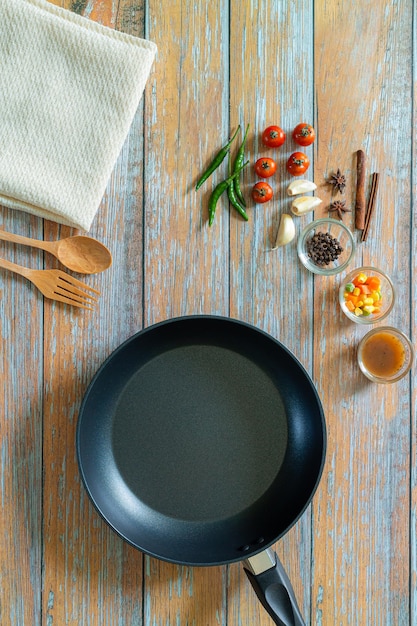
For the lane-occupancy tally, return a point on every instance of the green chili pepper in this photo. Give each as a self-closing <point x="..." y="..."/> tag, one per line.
<point x="238" y="162"/>
<point x="216" y="161"/>
<point x="217" y="192"/>
<point x="233" y="199"/>
<point x="235" y="202"/>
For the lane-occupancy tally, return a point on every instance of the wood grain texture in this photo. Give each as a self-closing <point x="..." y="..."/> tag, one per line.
<point x="352" y="556"/>
<point x="361" y="553"/>
<point x="413" y="333"/>
<point x="20" y="433"/>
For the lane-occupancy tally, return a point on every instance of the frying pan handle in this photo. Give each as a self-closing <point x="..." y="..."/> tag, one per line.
<point x="273" y="588"/>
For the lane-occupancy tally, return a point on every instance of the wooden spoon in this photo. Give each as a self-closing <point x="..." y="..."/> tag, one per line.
<point x="79" y="253"/>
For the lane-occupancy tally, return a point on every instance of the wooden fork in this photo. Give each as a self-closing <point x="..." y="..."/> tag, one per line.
<point x="56" y="285"/>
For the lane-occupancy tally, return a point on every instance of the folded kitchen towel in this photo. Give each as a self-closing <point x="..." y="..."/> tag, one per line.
<point x="69" y="88"/>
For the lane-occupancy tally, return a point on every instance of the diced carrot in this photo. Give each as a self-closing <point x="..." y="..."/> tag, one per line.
<point x="365" y="289"/>
<point x="352" y="298"/>
<point x="350" y="306"/>
<point x="374" y="283"/>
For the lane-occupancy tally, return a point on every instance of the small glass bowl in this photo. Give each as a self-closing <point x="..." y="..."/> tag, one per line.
<point x="397" y="335"/>
<point x="339" y="231"/>
<point x="387" y="294"/>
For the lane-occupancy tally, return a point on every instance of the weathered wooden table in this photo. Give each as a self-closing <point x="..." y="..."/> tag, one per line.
<point x="348" y="68"/>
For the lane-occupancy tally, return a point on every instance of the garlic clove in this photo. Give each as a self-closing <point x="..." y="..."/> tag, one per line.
<point x="305" y="204"/>
<point x="286" y="231"/>
<point x="297" y="187"/>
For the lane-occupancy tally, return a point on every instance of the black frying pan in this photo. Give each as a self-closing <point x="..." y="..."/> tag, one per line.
<point x="201" y="441"/>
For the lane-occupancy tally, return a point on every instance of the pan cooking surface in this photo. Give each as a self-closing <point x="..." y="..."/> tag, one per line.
<point x="199" y="433"/>
<point x="201" y="440"/>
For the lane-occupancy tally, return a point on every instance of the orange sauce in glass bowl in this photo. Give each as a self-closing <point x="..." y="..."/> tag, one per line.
<point x="383" y="354"/>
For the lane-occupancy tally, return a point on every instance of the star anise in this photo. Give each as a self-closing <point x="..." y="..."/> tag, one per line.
<point x="338" y="181"/>
<point x="339" y="207"/>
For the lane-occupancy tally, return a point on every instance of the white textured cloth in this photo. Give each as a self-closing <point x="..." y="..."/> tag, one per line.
<point x="69" y="89"/>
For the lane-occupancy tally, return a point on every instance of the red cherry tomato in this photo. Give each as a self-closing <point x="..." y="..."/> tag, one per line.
<point x="273" y="137"/>
<point x="298" y="163"/>
<point x="304" y="134"/>
<point x="262" y="192"/>
<point x="265" y="167"/>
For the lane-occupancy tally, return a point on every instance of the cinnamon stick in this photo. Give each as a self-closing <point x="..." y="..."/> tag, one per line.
<point x="360" y="206"/>
<point x="371" y="205"/>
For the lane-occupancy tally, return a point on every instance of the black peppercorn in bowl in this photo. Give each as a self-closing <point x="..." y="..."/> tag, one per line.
<point x="326" y="246"/>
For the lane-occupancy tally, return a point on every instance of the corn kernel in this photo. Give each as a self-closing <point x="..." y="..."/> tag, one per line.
<point x="361" y="278"/>
<point x="356" y="291"/>
<point x="368" y="301"/>
<point x="358" y="311"/>
<point x="368" y="309"/>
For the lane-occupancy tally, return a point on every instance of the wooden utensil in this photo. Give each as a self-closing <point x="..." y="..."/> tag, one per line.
<point x="81" y="254"/>
<point x="56" y="285"/>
